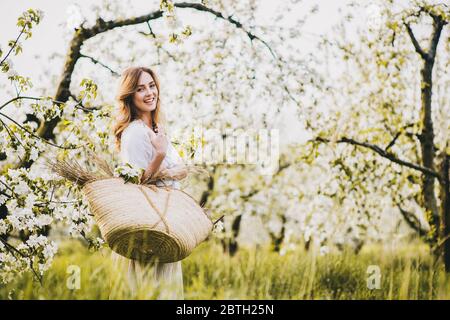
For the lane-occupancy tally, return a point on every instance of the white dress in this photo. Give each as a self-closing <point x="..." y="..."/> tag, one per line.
<point x="137" y="150"/>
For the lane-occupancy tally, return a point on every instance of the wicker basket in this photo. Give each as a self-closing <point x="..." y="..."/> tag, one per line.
<point x="139" y="221"/>
<point x="147" y="222"/>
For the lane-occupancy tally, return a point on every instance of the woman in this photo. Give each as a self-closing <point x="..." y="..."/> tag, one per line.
<point x="142" y="142"/>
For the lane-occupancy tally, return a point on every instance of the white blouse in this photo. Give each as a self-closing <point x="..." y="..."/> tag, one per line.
<point x="137" y="149"/>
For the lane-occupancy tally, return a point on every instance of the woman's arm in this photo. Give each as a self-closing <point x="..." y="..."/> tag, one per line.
<point x="159" y="142"/>
<point x="154" y="166"/>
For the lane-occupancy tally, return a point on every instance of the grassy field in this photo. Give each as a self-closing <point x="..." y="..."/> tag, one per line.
<point x="254" y="273"/>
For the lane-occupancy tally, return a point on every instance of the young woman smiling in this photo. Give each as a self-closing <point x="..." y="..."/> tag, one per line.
<point x="142" y="142"/>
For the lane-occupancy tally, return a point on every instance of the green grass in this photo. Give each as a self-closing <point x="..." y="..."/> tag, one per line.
<point x="254" y="273"/>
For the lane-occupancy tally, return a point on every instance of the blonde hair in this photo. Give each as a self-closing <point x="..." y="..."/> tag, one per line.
<point x="127" y="110"/>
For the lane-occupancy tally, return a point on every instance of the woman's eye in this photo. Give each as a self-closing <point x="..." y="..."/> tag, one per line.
<point x="139" y="90"/>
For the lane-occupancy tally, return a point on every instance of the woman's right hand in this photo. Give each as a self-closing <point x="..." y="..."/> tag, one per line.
<point x="159" y="140"/>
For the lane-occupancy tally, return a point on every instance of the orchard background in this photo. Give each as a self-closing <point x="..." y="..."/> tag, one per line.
<point x="356" y="95"/>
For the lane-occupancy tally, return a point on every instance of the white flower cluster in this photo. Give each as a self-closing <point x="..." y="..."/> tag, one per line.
<point x="26" y="192"/>
<point x="100" y="122"/>
<point x="3" y="228"/>
<point x="172" y="20"/>
<point x="30" y="16"/>
<point x="38" y="251"/>
<point x="128" y="173"/>
<point x="45" y="248"/>
<point x="10" y="265"/>
<point x="15" y="145"/>
<point x="24" y="218"/>
<point x="47" y="110"/>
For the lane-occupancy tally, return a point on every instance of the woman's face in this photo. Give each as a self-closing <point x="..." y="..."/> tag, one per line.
<point x="146" y="94"/>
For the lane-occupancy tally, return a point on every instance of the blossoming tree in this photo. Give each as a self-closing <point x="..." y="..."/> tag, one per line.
<point x="216" y="68"/>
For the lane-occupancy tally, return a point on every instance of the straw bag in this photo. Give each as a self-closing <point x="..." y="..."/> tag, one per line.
<point x="141" y="222"/>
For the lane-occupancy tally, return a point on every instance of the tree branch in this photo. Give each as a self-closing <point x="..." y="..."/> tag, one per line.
<point x="80" y="105"/>
<point x="438" y="24"/>
<point x="14" y="44"/>
<point x="13" y="251"/>
<point x="29" y="98"/>
<point x="219" y="15"/>
<point x="15" y="99"/>
<point x="36" y="136"/>
<point x="153" y="35"/>
<point x="393" y="141"/>
<point x="95" y="61"/>
<point x="386" y="155"/>
<point x="251" y="36"/>
<point x="412" y="221"/>
<point x="419" y="50"/>
<point x="397" y="135"/>
<point x="8" y="187"/>
<point x="6" y="195"/>
<point x="12" y="136"/>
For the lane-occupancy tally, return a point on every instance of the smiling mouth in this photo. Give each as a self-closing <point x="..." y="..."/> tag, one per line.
<point x="149" y="100"/>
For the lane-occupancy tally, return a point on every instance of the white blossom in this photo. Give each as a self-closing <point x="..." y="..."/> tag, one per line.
<point x="21" y="188"/>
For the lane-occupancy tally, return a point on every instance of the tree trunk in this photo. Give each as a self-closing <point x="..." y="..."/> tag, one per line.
<point x="209" y="188"/>
<point x="3" y="214"/>
<point x="428" y="151"/>
<point x="277" y="240"/>
<point x="445" y="208"/>
<point x="426" y="136"/>
<point x="231" y="245"/>
<point x="63" y="91"/>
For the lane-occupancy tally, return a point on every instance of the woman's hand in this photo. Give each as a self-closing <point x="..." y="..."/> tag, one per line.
<point x="159" y="140"/>
<point x="161" y="171"/>
<point x="177" y="172"/>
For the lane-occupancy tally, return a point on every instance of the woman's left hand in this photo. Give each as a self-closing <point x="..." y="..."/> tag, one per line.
<point x="177" y="172"/>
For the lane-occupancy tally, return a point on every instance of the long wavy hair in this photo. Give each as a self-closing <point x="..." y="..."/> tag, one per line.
<point x="127" y="110"/>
